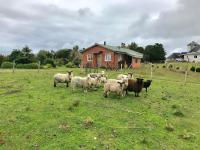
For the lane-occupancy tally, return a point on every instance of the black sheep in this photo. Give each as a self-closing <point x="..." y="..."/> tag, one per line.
<point x="147" y="84"/>
<point x="135" y="86"/>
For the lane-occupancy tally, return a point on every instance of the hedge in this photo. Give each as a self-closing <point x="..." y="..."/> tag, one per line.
<point x="27" y="66"/>
<point x="198" y="69"/>
<point x="6" y="65"/>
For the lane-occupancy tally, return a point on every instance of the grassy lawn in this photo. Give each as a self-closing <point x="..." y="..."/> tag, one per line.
<point x="35" y="115"/>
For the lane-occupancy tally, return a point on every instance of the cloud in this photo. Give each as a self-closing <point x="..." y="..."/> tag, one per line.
<point x="57" y="24"/>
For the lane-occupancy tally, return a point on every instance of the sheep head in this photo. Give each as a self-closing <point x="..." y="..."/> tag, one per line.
<point x="140" y="81"/>
<point x="130" y="75"/>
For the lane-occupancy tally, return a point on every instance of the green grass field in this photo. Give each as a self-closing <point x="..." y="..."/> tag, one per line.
<point x="35" y="115"/>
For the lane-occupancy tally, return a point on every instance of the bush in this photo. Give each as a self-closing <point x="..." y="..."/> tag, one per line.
<point x="27" y="66"/>
<point x="50" y="61"/>
<point x="47" y="66"/>
<point x="70" y="65"/>
<point x="170" y="66"/>
<point x="198" y="69"/>
<point x="192" y="68"/>
<point x="164" y="66"/>
<point x="6" y="65"/>
<point x="177" y="68"/>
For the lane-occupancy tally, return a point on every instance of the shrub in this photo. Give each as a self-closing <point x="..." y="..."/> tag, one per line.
<point x="198" y="69"/>
<point x="6" y="65"/>
<point x="50" y="61"/>
<point x="47" y="66"/>
<point x="164" y="66"/>
<point x="27" y="66"/>
<point x="192" y="68"/>
<point x="177" y="68"/>
<point x="70" y="65"/>
<point x="170" y="66"/>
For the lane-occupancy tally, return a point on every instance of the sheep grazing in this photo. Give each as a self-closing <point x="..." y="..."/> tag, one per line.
<point x="95" y="82"/>
<point x="135" y="86"/>
<point x="123" y="76"/>
<point x="117" y="87"/>
<point x="103" y="80"/>
<point x="147" y="84"/>
<point x="93" y="75"/>
<point x="83" y="82"/>
<point x="63" y="78"/>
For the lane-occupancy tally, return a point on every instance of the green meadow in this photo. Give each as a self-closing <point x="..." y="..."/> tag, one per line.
<point x="36" y="115"/>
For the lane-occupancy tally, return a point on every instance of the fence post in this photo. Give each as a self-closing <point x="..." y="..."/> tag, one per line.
<point x="13" y="70"/>
<point x="151" y="71"/>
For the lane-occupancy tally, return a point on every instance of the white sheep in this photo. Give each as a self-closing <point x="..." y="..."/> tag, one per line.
<point x="83" y="82"/>
<point x="95" y="82"/>
<point x="93" y="75"/>
<point x="63" y="78"/>
<point x="117" y="87"/>
<point x="123" y="76"/>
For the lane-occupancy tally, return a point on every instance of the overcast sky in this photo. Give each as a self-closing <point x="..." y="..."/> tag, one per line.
<point x="55" y="24"/>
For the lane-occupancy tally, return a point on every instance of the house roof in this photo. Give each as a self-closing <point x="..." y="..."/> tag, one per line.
<point x="118" y="49"/>
<point x="195" y="49"/>
<point x="193" y="53"/>
<point x="175" y="55"/>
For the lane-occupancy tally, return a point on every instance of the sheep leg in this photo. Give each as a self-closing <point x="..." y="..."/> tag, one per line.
<point x="67" y="84"/>
<point x="54" y="83"/>
<point x="105" y="94"/>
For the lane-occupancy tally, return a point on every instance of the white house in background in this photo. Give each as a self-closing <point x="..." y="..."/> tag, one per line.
<point x="194" y="52"/>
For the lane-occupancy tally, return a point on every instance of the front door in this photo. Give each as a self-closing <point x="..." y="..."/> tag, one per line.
<point x="99" y="59"/>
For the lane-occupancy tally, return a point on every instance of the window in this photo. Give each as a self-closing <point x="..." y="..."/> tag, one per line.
<point x="89" y="57"/>
<point x="108" y="57"/>
<point x="195" y="56"/>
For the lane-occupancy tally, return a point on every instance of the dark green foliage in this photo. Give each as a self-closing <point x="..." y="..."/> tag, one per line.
<point x="27" y="66"/>
<point x="198" y="69"/>
<point x="15" y="54"/>
<point x="164" y="66"/>
<point x="44" y="54"/>
<point x="50" y="61"/>
<point x="6" y="65"/>
<point x="70" y="65"/>
<point x="192" y="68"/>
<point x="2" y="59"/>
<point x="178" y="113"/>
<point x="177" y="68"/>
<point x="154" y="53"/>
<point x="23" y="60"/>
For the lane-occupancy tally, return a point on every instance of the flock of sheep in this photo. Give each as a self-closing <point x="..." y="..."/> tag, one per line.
<point x="121" y="85"/>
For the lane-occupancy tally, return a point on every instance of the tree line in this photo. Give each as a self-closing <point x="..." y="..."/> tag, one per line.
<point x="72" y="57"/>
<point x="151" y="53"/>
<point x="50" y="58"/>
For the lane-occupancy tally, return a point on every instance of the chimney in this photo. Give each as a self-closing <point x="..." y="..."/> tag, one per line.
<point x="104" y="43"/>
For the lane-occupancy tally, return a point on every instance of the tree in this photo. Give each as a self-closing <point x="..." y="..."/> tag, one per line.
<point x="43" y="55"/>
<point x="63" y="55"/>
<point x="139" y="49"/>
<point x="133" y="46"/>
<point x="75" y="55"/>
<point x="26" y="51"/>
<point x="154" y="53"/>
<point x="15" y="54"/>
<point x="2" y="59"/>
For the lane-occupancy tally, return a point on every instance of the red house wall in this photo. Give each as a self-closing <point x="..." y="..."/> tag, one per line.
<point x="114" y="58"/>
<point x="98" y="49"/>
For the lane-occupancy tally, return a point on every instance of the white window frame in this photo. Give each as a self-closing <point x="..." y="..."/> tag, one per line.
<point x="108" y="57"/>
<point x="89" y="57"/>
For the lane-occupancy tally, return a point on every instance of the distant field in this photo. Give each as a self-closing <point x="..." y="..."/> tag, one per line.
<point x="35" y="115"/>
